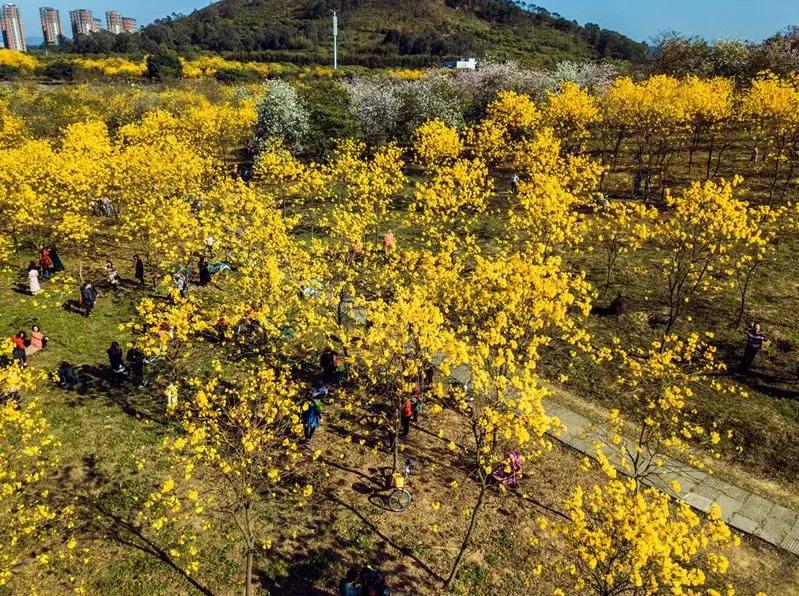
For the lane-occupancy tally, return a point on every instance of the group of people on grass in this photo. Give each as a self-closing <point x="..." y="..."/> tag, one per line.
<point x="136" y="360"/>
<point x="26" y="345"/>
<point x="49" y="264"/>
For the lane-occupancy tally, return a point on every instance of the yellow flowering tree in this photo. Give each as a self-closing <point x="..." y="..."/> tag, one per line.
<point x="650" y="115"/>
<point x="551" y="188"/>
<point x="757" y="246"/>
<point x="709" y="111"/>
<point x="505" y="309"/>
<point x="36" y="525"/>
<point x="771" y="109"/>
<point x="620" y="229"/>
<point x="403" y="338"/>
<point x="658" y="386"/>
<point x="237" y="451"/>
<point x="436" y="144"/>
<point x="621" y="540"/>
<point x="571" y="111"/>
<point x="697" y="240"/>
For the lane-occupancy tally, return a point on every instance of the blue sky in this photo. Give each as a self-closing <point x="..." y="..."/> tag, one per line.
<point x="640" y="19"/>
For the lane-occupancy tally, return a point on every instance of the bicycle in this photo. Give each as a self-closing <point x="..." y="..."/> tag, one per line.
<point x="400" y="498"/>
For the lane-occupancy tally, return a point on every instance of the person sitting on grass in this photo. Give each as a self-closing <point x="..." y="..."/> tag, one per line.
<point x="373" y="583"/>
<point x="19" y="352"/>
<point x="67" y="377"/>
<point x="349" y="585"/>
<point x="38" y="339"/>
<point x="88" y="297"/>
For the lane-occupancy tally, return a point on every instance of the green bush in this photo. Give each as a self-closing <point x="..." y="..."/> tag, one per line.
<point x="236" y="75"/>
<point x="8" y="72"/>
<point x="60" y="70"/>
<point x="164" y="66"/>
<point x="331" y="118"/>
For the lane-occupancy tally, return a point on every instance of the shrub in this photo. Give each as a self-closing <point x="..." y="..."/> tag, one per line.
<point x="60" y="70"/>
<point x="164" y="66"/>
<point x="236" y="75"/>
<point x="331" y="118"/>
<point x="8" y="72"/>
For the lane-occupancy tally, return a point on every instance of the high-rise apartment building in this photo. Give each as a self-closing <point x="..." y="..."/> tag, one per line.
<point x="97" y="25"/>
<point x="51" y="26"/>
<point x="82" y="21"/>
<point x="113" y="21"/>
<point x="11" y="28"/>
<point x="129" y="25"/>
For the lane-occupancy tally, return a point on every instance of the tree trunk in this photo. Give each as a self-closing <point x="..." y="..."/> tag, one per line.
<point x="468" y="537"/>
<point x="248" y="572"/>
<point x="744" y="292"/>
<point x="395" y="446"/>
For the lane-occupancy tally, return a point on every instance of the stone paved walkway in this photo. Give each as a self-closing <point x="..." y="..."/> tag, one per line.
<point x="741" y="509"/>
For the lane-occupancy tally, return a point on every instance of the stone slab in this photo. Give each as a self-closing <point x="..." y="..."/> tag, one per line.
<point x="755" y="508"/>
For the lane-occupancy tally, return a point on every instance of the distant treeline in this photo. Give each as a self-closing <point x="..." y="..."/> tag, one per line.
<point x="680" y="56"/>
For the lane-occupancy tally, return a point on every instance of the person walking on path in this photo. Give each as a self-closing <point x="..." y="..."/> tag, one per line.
<point x="205" y="275"/>
<point x="139" y="267"/>
<point x="33" y="279"/>
<point x="88" y="296"/>
<point x="311" y="418"/>
<point x="754" y="342"/>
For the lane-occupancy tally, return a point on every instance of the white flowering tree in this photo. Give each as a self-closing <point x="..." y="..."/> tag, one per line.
<point x="281" y="117"/>
<point x="377" y="106"/>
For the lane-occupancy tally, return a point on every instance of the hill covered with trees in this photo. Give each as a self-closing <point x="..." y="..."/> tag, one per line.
<point x="383" y="32"/>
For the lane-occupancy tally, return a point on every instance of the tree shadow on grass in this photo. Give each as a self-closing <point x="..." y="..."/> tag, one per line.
<point x="123" y="532"/>
<point x="301" y="575"/>
<point x="21" y="289"/>
<point x="405" y="551"/>
<point x="765" y="383"/>
<point x="97" y="381"/>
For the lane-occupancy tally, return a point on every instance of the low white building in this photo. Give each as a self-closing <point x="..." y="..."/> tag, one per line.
<point x="467" y="64"/>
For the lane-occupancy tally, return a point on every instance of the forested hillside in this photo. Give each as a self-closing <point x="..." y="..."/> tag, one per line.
<point x="382" y="32"/>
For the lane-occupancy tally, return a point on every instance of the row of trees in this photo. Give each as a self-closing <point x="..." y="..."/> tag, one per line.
<point x="680" y="56"/>
<point x="658" y="131"/>
<point x="440" y="299"/>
